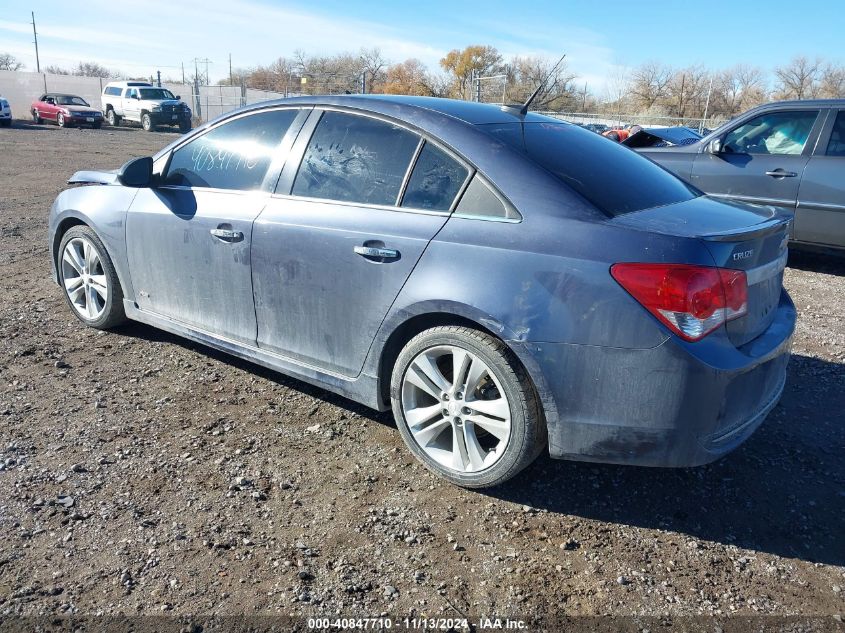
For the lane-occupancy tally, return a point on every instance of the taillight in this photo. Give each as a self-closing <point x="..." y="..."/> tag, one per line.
<point x="692" y="301"/>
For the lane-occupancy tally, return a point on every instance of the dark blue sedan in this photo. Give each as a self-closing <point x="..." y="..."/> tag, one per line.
<point x="506" y="282"/>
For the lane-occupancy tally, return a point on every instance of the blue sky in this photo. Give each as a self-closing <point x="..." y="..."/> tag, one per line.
<point x="598" y="37"/>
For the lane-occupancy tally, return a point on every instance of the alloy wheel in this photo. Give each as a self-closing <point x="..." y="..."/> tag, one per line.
<point x="456" y="409"/>
<point x="84" y="278"/>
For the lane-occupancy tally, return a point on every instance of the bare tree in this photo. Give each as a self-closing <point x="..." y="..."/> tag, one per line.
<point x="525" y="74"/>
<point x="374" y="65"/>
<point x="832" y="84"/>
<point x="56" y="70"/>
<point x="738" y="88"/>
<point x="9" y="62"/>
<point x="93" y="69"/>
<point x="650" y="83"/>
<point x="799" y="79"/>
<point x="686" y="91"/>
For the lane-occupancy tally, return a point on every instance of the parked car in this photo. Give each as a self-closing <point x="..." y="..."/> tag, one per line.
<point x="146" y="104"/>
<point x="598" y="128"/>
<point x="661" y="137"/>
<point x="790" y="154"/>
<point x="65" y="110"/>
<point x="5" y="113"/>
<point x="503" y="282"/>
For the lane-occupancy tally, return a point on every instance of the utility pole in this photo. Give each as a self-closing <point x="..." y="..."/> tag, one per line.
<point x="183" y="72"/>
<point x="35" y="35"/>
<point x="158" y="76"/>
<point x="681" y="97"/>
<point x="584" y="104"/>
<point x="205" y="61"/>
<point x="364" y="82"/>
<point x="231" y="81"/>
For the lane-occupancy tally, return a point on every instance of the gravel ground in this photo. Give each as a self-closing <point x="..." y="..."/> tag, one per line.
<point x="142" y="474"/>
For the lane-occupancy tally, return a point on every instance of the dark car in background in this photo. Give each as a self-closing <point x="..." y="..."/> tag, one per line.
<point x="505" y="282"/>
<point x="65" y="110"/>
<point x="789" y="154"/>
<point x="661" y="137"/>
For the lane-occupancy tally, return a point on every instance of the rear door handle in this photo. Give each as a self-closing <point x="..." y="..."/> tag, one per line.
<point x="780" y="173"/>
<point x="227" y="235"/>
<point x="371" y="251"/>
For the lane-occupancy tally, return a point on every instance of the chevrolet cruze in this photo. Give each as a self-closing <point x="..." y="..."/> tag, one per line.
<point x="507" y="283"/>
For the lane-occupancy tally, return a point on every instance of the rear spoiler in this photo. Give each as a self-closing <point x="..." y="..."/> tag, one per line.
<point x="93" y="178"/>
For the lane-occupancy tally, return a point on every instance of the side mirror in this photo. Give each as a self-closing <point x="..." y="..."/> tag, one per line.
<point x="138" y="172"/>
<point x="138" y="97"/>
<point x="715" y="146"/>
<point x="178" y="97"/>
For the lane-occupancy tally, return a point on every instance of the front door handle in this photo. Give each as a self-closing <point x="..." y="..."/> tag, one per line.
<point x="227" y="235"/>
<point x="371" y="251"/>
<point x="781" y="173"/>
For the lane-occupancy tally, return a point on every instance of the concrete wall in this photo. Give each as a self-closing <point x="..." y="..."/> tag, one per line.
<point x="22" y="88"/>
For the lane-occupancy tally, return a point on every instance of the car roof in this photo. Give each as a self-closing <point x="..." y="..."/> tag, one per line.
<point x="404" y="107"/>
<point x="129" y="84"/>
<point x="805" y="103"/>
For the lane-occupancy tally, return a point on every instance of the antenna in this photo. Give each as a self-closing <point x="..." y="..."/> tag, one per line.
<point x="524" y="109"/>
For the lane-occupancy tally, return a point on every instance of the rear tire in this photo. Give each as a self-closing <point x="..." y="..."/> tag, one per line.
<point x="88" y="279"/>
<point x="6" y="122"/>
<point x="113" y="119"/>
<point x="451" y="432"/>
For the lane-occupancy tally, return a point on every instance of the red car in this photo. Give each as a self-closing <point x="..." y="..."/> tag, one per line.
<point x="65" y="110"/>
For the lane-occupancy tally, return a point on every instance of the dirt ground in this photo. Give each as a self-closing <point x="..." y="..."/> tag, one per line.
<point x="143" y="474"/>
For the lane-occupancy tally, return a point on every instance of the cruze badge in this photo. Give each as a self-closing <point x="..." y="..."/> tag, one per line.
<point x="743" y="255"/>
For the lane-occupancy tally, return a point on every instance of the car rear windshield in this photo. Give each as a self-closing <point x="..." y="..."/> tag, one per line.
<point x="155" y="93"/>
<point x="614" y="178"/>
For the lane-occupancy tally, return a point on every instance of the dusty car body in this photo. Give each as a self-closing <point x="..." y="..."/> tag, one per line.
<point x="789" y="154"/>
<point x="336" y="260"/>
<point x="65" y="110"/>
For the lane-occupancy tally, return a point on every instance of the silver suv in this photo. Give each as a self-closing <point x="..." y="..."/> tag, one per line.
<point x="788" y="154"/>
<point x="146" y="104"/>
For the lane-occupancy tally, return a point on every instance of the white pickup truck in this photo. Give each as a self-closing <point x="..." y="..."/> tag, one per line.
<point x="144" y="103"/>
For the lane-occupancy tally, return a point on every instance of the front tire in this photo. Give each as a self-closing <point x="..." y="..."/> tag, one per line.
<point x="96" y="126"/>
<point x="185" y="127"/>
<point x="89" y="280"/>
<point x="147" y="122"/>
<point x="36" y="119"/>
<point x="60" y="120"/>
<point x="466" y="407"/>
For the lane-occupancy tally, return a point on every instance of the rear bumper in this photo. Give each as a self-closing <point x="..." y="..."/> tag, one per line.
<point x="678" y="404"/>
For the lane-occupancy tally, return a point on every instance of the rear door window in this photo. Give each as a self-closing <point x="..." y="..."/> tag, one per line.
<point x="435" y="182"/>
<point x="836" y="144"/>
<point x="354" y="158"/>
<point x="234" y="155"/>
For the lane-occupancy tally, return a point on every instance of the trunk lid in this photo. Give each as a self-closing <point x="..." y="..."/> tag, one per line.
<point x="739" y="236"/>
